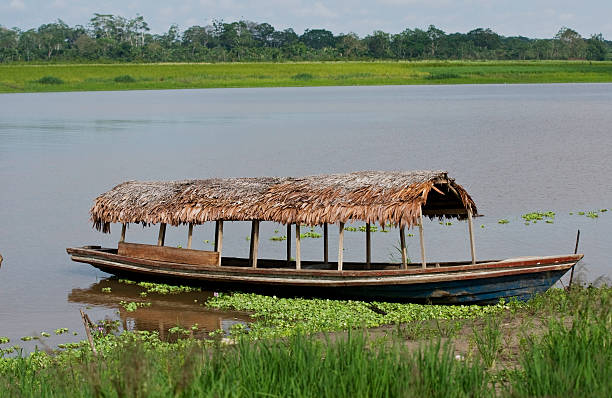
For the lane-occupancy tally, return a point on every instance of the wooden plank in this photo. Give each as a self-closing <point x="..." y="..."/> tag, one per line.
<point x="422" y="239"/>
<point x="340" y="245"/>
<point x="288" y="243"/>
<point x="325" y="245"/>
<point x="170" y="254"/>
<point x="403" y="247"/>
<point x="298" y="247"/>
<point x="189" y="235"/>
<point x="162" y="234"/>
<point x="254" y="242"/>
<point x="368" y="246"/>
<point x="123" y="226"/>
<point x="472" y="244"/>
<point x="219" y="239"/>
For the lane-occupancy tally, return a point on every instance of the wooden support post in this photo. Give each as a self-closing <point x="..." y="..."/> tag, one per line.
<point x="403" y="248"/>
<point x="123" y="226"/>
<point x="340" y="245"/>
<point x="254" y="242"/>
<point x="288" y="243"/>
<point x="88" y="324"/>
<point x="422" y="239"/>
<point x="219" y="238"/>
<point x="298" y="247"/>
<point x="575" y="252"/>
<point x="189" y="235"/>
<point x="368" y="246"/>
<point x="471" y="229"/>
<point x="161" y="238"/>
<point x="325" y="245"/>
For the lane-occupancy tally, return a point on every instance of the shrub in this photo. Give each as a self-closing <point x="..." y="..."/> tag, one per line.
<point x="303" y="76"/>
<point x="50" y="80"/>
<point x="124" y="79"/>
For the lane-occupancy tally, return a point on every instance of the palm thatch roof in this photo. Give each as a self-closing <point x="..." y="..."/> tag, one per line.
<point x="380" y="197"/>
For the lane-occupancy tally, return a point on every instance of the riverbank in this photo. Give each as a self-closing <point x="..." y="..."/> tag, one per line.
<point x="111" y="77"/>
<point x="559" y="343"/>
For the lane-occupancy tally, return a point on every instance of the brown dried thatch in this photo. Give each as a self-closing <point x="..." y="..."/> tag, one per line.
<point x="373" y="196"/>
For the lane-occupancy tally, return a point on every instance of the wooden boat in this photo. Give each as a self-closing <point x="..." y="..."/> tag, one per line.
<point x="401" y="199"/>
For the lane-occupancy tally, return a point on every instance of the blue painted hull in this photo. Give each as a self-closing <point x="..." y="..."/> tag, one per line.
<point x="473" y="291"/>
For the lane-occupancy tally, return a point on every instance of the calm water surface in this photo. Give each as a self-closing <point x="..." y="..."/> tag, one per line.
<point x="516" y="148"/>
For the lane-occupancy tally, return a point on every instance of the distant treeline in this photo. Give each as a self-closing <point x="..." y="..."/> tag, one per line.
<point x="110" y="38"/>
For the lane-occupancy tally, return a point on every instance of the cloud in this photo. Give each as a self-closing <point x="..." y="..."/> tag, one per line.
<point x="428" y="3"/>
<point x="17" y="5"/>
<point x="58" y="4"/>
<point x="318" y="9"/>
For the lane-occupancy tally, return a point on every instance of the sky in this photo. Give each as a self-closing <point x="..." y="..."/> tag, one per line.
<point x="531" y="18"/>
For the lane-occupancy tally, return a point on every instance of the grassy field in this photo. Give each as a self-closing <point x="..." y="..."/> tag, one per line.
<point x="96" y="77"/>
<point x="558" y="344"/>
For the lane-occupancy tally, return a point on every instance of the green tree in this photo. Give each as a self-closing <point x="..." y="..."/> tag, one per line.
<point x="318" y="38"/>
<point x="350" y="46"/>
<point x="596" y="48"/>
<point x="570" y="44"/>
<point x="52" y="37"/>
<point x="435" y="35"/>
<point x="379" y="44"/>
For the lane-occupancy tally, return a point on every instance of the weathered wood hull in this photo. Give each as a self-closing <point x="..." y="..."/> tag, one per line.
<point x="448" y="283"/>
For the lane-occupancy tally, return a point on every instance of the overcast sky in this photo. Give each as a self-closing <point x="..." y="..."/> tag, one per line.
<point x="532" y="18"/>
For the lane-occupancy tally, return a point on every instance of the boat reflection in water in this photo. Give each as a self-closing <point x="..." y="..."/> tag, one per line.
<point x="166" y="311"/>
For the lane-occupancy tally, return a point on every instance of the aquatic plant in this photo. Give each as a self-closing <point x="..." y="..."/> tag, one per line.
<point x="536" y="216"/>
<point x="279" y="317"/>
<point x="4" y="340"/>
<point x="106" y="290"/>
<point x="178" y="330"/>
<point x="503" y="221"/>
<point x="131" y="306"/>
<point x="310" y="234"/>
<point x="161" y="288"/>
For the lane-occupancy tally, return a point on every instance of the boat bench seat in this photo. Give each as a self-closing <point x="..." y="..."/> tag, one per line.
<point x="168" y="254"/>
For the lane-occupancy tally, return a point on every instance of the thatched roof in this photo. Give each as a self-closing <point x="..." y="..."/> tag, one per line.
<point x="372" y="196"/>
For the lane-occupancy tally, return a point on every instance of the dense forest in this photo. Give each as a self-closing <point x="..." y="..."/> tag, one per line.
<point x="110" y="38"/>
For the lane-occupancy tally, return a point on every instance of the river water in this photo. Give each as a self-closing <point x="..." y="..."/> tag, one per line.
<point x="516" y="148"/>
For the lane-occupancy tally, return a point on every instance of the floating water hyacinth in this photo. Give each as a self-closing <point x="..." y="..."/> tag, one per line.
<point x="536" y="216"/>
<point x="133" y="305"/>
<point x="503" y="221"/>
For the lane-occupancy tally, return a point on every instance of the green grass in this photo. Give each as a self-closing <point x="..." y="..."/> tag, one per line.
<point x="299" y="367"/>
<point x="95" y="77"/>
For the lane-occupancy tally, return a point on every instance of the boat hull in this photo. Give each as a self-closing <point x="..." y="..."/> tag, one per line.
<point x="482" y="283"/>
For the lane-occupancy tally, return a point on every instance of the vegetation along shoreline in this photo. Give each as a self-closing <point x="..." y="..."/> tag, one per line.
<point x="556" y="344"/>
<point x="15" y="78"/>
